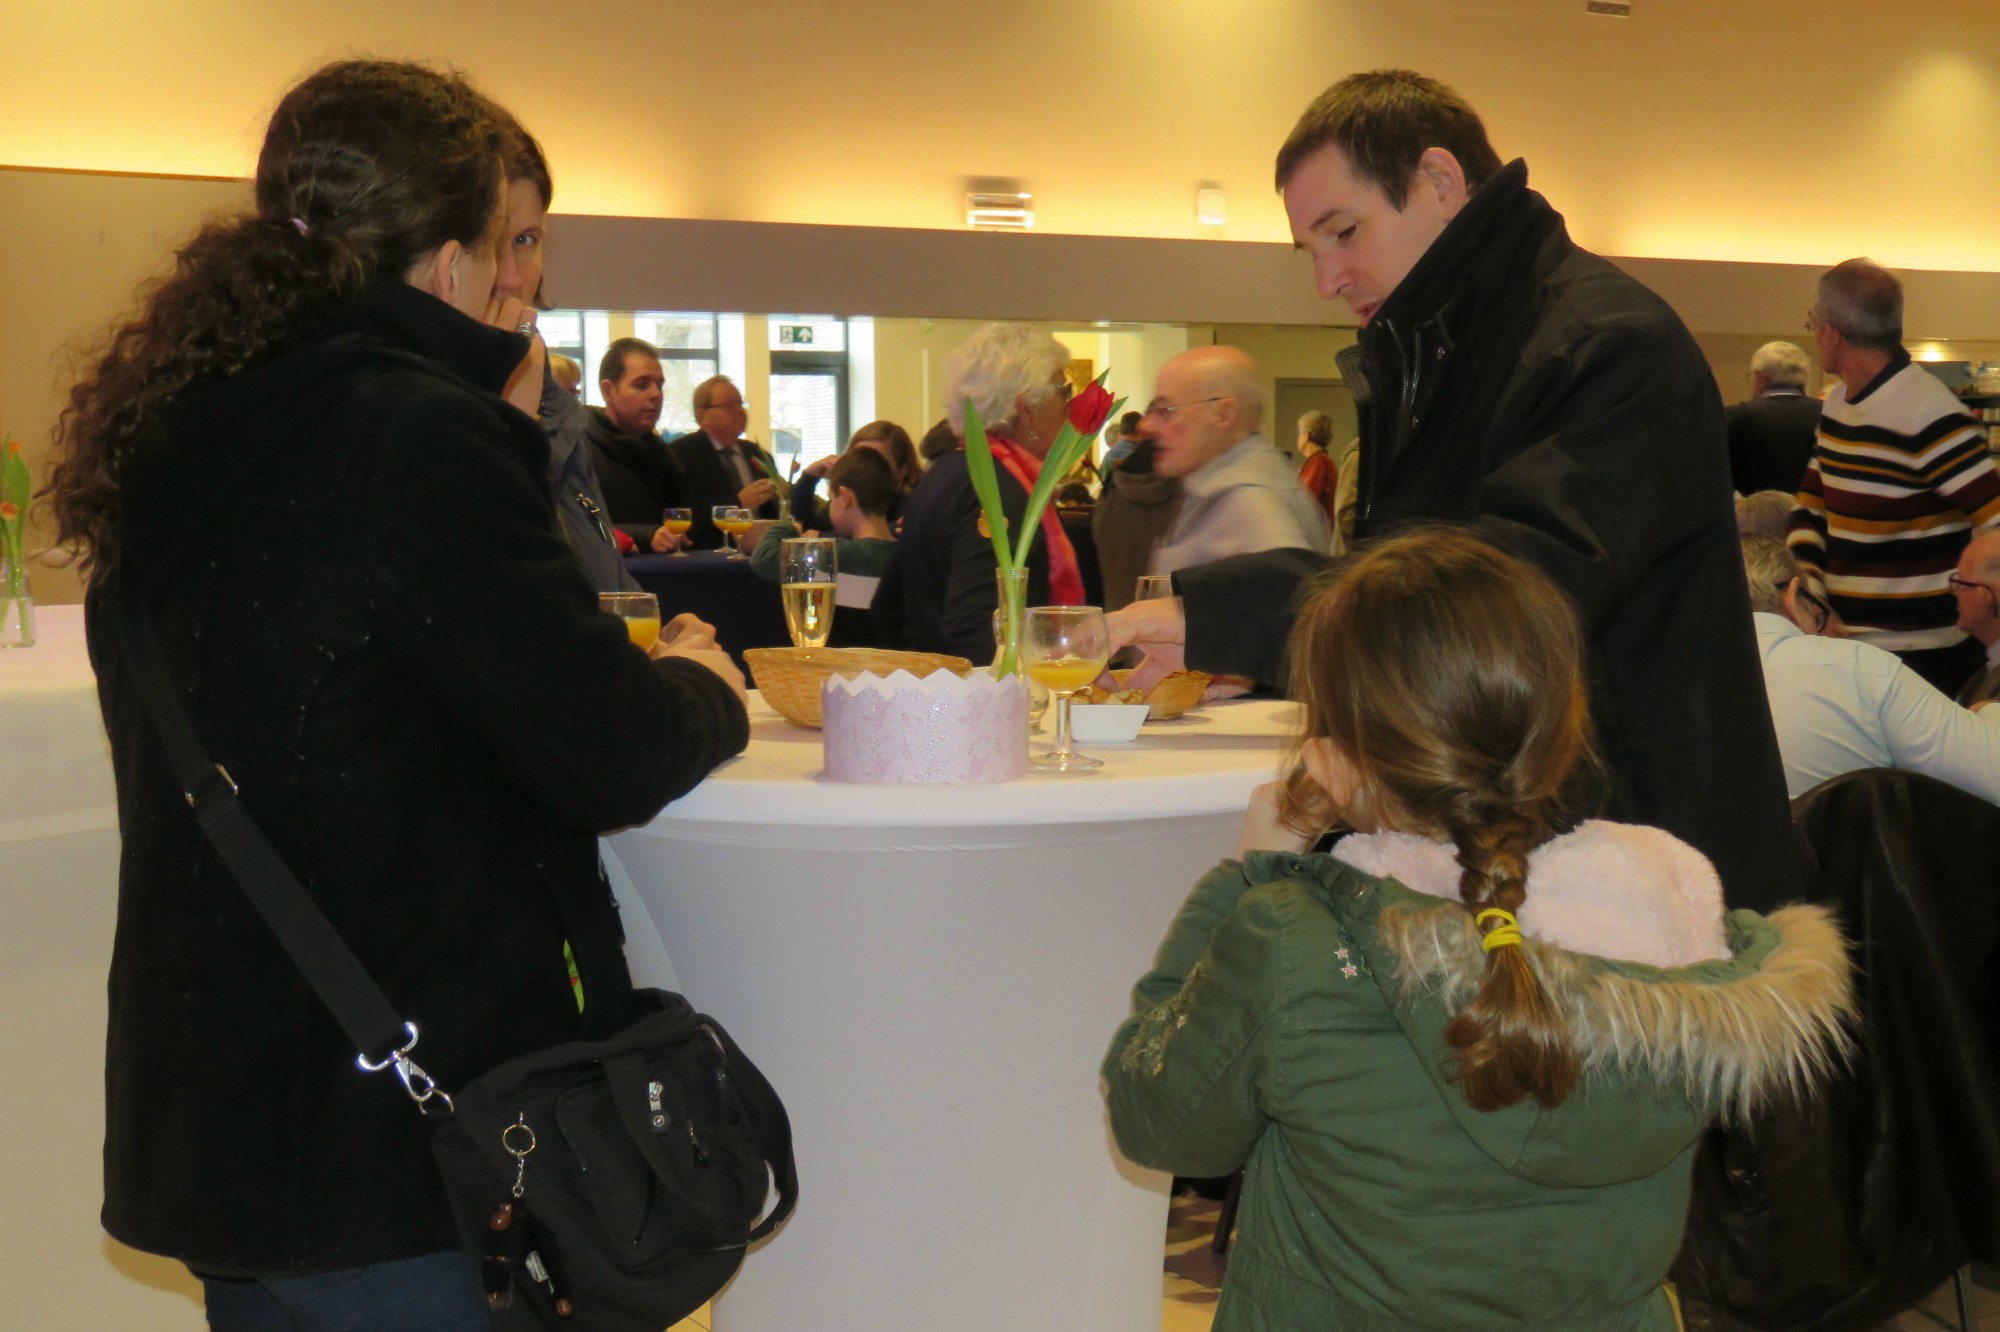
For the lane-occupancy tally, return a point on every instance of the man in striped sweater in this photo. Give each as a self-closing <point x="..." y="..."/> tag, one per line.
<point x="1900" y="480"/>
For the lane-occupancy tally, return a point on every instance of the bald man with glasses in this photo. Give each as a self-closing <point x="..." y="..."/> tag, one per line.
<point x="1976" y="587"/>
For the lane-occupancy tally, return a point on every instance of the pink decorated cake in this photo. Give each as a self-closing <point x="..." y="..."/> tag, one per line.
<point x="942" y="728"/>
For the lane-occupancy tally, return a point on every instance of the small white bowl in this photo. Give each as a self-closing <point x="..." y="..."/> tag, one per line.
<point x="1106" y="723"/>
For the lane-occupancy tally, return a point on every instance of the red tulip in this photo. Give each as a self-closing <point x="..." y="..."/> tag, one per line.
<point x="1089" y="410"/>
<point x="8" y="512"/>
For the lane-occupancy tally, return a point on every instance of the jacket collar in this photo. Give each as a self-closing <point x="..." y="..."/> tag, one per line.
<point x="1494" y="246"/>
<point x="399" y="314"/>
<point x="217" y="437"/>
<point x="1231" y="468"/>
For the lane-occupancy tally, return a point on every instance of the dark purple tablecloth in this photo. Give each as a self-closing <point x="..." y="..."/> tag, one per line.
<point x="744" y="609"/>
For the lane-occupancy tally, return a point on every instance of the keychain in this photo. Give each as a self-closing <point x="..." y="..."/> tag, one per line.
<point x="510" y="1235"/>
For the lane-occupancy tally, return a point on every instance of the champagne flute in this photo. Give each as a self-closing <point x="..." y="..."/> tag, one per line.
<point x="1065" y="648"/>
<point x="678" y="521"/>
<point x="1153" y="587"/>
<point x="732" y="521"/>
<point x="809" y="571"/>
<point x="639" y="610"/>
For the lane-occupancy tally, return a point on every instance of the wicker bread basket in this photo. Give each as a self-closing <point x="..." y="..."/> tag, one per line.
<point x="1173" y="695"/>
<point x="790" y="678"/>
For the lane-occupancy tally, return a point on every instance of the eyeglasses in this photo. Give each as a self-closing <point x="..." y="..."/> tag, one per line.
<point x="1822" y="612"/>
<point x="1958" y="584"/>
<point x="1167" y="409"/>
<point x="739" y="404"/>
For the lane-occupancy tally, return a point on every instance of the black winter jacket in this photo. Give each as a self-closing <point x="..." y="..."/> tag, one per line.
<point x="350" y="555"/>
<point x="1529" y="389"/>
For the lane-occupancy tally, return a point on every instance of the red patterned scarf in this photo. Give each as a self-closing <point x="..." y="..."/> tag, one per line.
<point x="1065" y="577"/>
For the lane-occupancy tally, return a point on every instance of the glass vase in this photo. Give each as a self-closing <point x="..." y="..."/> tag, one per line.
<point x="1008" y="616"/>
<point x="17" y="604"/>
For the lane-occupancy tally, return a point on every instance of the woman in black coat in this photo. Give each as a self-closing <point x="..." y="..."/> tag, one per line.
<point x="298" y="459"/>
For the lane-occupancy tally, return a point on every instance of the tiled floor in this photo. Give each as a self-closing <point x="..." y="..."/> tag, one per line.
<point x="1194" y="1277"/>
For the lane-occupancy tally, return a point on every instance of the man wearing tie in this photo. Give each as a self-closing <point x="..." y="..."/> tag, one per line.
<point x="718" y="465"/>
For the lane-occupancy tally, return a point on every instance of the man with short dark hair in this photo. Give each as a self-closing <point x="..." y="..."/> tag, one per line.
<point x="1900" y="478"/>
<point x="1507" y="380"/>
<point x="1771" y="432"/>
<point x="640" y="483"/>
<point x="718" y="465"/>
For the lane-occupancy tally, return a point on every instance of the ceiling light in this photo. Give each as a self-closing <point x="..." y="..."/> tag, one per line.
<point x="1000" y="212"/>
<point x="1210" y="206"/>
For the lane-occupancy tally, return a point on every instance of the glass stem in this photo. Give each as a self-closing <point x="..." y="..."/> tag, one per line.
<point x="1062" y="723"/>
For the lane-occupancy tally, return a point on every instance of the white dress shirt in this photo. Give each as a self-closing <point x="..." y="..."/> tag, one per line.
<point x="1840" y="705"/>
<point x="1248" y="499"/>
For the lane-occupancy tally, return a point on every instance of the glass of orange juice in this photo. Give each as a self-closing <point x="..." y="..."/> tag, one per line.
<point x="733" y="522"/>
<point x="678" y="521"/>
<point x="1064" y="648"/>
<point x="639" y="610"/>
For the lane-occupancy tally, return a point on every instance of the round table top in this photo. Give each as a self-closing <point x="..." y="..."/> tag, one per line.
<point x="1206" y="762"/>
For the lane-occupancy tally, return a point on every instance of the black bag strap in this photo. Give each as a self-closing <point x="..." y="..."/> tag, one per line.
<point x="625" y="1071"/>
<point x="302" y="929"/>
<point x="774" y="1128"/>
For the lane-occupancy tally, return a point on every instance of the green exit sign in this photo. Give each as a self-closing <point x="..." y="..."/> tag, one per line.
<point x="795" y="335"/>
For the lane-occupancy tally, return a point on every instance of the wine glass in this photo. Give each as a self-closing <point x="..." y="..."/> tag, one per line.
<point x="809" y="569"/>
<point x="639" y="610"/>
<point x="1152" y="587"/>
<point x="1064" y="648"/>
<point x="678" y="521"/>
<point x="732" y="521"/>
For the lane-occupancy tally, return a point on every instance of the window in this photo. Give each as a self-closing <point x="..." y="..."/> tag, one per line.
<point x="808" y="388"/>
<point x="687" y="344"/>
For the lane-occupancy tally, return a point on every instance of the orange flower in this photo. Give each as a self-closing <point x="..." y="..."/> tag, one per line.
<point x="8" y="512"/>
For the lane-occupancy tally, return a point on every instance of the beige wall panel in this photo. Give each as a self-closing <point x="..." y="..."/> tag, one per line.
<point x="1787" y="130"/>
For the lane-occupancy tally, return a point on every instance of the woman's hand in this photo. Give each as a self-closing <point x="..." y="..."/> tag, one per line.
<point x="819" y="469"/>
<point x="524" y="386"/>
<point x="693" y="639"/>
<point x="1262" y="828"/>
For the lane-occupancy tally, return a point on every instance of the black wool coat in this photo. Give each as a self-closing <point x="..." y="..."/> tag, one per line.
<point x="350" y="556"/>
<point x="640" y="482"/>
<point x="941" y="588"/>
<point x="1528" y="389"/>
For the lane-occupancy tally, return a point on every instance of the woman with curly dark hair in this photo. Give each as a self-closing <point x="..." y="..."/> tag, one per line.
<point x="298" y="462"/>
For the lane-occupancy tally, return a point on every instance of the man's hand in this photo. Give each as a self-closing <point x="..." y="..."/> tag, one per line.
<point x="1159" y="628"/>
<point x="1262" y="828"/>
<point x="759" y="492"/>
<point x="524" y="386"/>
<point x="665" y="542"/>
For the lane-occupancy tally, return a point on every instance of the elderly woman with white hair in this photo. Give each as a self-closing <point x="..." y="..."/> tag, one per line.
<point x="939" y="593"/>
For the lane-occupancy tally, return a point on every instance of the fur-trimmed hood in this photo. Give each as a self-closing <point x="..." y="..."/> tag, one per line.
<point x="1664" y="1049"/>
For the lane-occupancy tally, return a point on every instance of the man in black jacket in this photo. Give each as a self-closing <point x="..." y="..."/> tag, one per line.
<point x="718" y="465"/>
<point x="640" y="481"/>
<point x="1772" y="432"/>
<point x="1510" y="381"/>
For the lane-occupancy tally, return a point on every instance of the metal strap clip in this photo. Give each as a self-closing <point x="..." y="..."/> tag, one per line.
<point x="422" y="1089"/>
<point x="207" y="791"/>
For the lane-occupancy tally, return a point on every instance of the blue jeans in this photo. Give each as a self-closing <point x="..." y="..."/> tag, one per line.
<point x="438" y="1292"/>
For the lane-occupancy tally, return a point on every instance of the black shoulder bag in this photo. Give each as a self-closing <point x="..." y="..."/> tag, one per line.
<point x="604" y="1186"/>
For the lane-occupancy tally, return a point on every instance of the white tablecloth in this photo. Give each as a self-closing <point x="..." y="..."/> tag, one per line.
<point x="59" y="893"/>
<point x="930" y="975"/>
<point x="56" y="762"/>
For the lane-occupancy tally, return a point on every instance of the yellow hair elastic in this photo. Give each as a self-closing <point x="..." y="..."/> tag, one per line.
<point x="1507" y="934"/>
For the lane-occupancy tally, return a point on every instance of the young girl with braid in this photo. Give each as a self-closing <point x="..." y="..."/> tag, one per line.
<point x="1464" y="1057"/>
